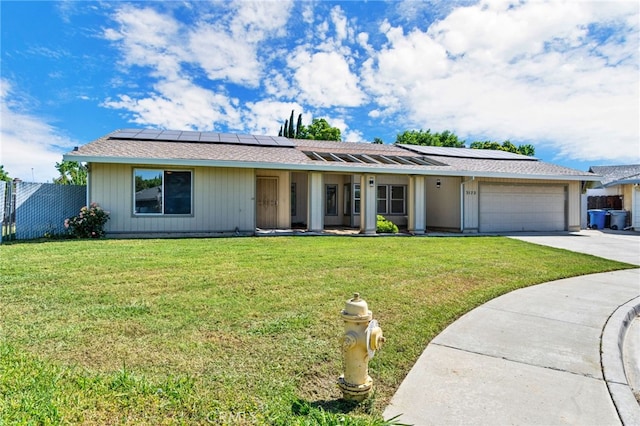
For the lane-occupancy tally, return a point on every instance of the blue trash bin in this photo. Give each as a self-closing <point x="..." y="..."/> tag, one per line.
<point x="596" y="218"/>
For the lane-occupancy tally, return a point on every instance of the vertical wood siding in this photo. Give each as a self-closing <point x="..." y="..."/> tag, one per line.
<point x="223" y="200"/>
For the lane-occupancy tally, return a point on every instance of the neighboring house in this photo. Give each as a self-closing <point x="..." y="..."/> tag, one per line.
<point x="159" y="182"/>
<point x="619" y="189"/>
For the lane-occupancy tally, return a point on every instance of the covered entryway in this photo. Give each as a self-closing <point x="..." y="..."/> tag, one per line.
<point x="516" y="208"/>
<point x="267" y="202"/>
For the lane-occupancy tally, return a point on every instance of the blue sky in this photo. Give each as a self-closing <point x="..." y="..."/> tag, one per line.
<point x="561" y="75"/>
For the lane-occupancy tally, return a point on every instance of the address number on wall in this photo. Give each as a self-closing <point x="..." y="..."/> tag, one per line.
<point x="472" y="192"/>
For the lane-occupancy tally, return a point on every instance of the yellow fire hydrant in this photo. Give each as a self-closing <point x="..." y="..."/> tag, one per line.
<point x="362" y="337"/>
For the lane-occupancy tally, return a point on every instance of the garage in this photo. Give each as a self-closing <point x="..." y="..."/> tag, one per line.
<point x="517" y="208"/>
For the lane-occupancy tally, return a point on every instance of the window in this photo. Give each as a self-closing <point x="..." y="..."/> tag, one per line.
<point x="381" y="197"/>
<point x="162" y="192"/>
<point x="356" y="198"/>
<point x="398" y="199"/>
<point x="331" y="199"/>
<point x="391" y="199"/>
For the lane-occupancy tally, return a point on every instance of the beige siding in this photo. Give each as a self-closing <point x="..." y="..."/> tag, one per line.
<point x="223" y="200"/>
<point x="443" y="203"/>
<point x="627" y="193"/>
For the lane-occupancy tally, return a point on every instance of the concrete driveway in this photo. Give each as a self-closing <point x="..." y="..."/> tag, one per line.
<point x="547" y="354"/>
<point x="623" y="246"/>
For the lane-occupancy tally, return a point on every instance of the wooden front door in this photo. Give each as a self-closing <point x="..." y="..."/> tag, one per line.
<point x="267" y="203"/>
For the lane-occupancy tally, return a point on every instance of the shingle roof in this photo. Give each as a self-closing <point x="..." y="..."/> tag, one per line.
<point x="616" y="175"/>
<point x="393" y="159"/>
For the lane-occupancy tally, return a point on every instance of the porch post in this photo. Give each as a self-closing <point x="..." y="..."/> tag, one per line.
<point x="315" y="197"/>
<point x="416" y="205"/>
<point x="368" y="204"/>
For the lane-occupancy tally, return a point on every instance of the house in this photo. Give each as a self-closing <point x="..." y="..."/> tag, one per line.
<point x="617" y="189"/>
<point x="184" y="182"/>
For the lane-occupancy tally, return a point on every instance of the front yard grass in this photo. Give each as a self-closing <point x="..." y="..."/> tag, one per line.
<point x="234" y="331"/>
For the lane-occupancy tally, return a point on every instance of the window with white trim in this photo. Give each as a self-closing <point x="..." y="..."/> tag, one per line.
<point x="162" y="192"/>
<point x="391" y="199"/>
<point x="356" y="198"/>
<point x="398" y="199"/>
<point x="382" y="196"/>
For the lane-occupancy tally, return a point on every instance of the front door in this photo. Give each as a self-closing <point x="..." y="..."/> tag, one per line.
<point x="267" y="202"/>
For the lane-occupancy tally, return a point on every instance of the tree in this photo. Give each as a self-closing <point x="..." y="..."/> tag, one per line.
<point x="291" y="134"/>
<point x="4" y="175"/>
<point x="420" y="137"/>
<point x="527" y="149"/>
<point x="320" y="129"/>
<point x="299" y="126"/>
<point x="71" y="173"/>
<point x="377" y="141"/>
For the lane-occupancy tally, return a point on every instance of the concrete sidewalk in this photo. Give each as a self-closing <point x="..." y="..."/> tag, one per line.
<point x="531" y="356"/>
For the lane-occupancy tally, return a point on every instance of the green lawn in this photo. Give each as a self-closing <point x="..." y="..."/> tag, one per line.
<point x="233" y="331"/>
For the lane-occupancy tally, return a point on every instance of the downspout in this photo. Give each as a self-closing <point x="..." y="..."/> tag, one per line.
<point x="462" y="206"/>
<point x="88" y="196"/>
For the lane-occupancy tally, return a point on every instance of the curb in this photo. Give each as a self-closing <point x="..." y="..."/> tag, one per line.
<point x="611" y="347"/>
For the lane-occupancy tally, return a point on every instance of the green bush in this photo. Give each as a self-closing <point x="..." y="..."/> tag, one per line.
<point x="385" y="226"/>
<point x="89" y="223"/>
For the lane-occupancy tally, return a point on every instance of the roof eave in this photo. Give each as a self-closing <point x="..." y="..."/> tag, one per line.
<point x="634" y="181"/>
<point x="323" y="167"/>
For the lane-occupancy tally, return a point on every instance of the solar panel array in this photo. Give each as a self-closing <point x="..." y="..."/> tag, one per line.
<point x="201" y="137"/>
<point x="482" y="154"/>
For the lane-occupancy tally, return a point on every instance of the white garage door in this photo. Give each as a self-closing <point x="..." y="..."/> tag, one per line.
<point x="508" y="208"/>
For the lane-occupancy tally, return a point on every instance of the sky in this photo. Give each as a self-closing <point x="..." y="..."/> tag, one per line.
<point x="560" y="75"/>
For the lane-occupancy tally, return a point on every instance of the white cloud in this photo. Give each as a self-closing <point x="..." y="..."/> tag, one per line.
<point x="30" y="147"/>
<point x="234" y="60"/>
<point x="180" y="104"/>
<point x="148" y="38"/>
<point x="339" y="21"/>
<point x="324" y="79"/>
<point x="531" y="72"/>
<point x="223" y="43"/>
<point x="265" y="117"/>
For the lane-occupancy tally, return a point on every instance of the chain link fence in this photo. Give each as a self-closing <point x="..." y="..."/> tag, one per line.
<point x="37" y="210"/>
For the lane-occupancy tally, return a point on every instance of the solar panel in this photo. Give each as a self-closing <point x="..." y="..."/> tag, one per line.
<point x="201" y="137"/>
<point x="483" y="154"/>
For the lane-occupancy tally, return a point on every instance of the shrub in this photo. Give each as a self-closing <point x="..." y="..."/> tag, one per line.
<point x="89" y="223"/>
<point x="385" y="226"/>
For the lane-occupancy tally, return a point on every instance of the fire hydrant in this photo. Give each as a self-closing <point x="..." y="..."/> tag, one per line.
<point x="362" y="337"/>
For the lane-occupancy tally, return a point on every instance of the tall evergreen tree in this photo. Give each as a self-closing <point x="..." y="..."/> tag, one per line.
<point x="299" y="127"/>
<point x="291" y="134"/>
